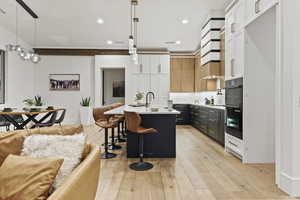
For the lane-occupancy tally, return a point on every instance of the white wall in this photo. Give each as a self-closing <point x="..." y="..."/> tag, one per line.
<point x="19" y="73"/>
<point x="83" y="65"/>
<point x="290" y="98"/>
<point x="259" y="90"/>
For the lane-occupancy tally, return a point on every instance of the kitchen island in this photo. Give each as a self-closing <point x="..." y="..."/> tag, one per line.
<point x="156" y="145"/>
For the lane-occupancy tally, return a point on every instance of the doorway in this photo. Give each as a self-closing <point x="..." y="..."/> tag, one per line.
<point x="113" y="86"/>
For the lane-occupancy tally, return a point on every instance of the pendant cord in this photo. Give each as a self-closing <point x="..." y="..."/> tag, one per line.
<point x="131" y="20"/>
<point x="17" y="30"/>
<point x="35" y="32"/>
<point x="135" y="26"/>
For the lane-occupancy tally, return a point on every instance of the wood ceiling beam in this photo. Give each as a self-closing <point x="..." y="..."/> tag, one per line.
<point x="80" y="52"/>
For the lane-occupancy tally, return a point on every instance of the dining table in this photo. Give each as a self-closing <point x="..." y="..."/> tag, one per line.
<point x="33" y="115"/>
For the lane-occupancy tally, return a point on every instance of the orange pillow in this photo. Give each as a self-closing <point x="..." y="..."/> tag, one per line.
<point x="26" y="178"/>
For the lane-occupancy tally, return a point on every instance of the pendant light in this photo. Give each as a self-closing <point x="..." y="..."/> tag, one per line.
<point x="24" y="55"/>
<point x="35" y="58"/>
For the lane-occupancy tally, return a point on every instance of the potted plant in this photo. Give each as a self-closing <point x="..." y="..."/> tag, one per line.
<point x="38" y="101"/>
<point x="86" y="111"/>
<point x="139" y="97"/>
<point x="28" y="102"/>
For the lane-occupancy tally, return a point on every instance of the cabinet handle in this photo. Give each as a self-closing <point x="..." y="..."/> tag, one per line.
<point x="141" y="68"/>
<point x="232" y="67"/>
<point x="232" y="28"/>
<point x="257" y="6"/>
<point x="232" y="144"/>
<point x="159" y="68"/>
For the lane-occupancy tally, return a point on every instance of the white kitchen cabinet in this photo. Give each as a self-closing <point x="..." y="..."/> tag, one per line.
<point x="159" y="64"/>
<point x="234" y="41"/>
<point x="234" y="20"/>
<point x="255" y="8"/>
<point x="234" y="56"/>
<point x="229" y="20"/>
<point x="152" y="74"/>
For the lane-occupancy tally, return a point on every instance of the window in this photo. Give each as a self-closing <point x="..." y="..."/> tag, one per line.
<point x="2" y="77"/>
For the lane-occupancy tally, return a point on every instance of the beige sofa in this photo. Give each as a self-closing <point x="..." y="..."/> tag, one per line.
<point x="82" y="183"/>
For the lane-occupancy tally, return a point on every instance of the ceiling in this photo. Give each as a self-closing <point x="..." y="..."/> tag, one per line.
<point x="73" y="23"/>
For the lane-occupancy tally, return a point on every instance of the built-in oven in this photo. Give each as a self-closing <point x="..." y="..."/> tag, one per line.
<point x="234" y="93"/>
<point x="234" y="122"/>
<point x="234" y="107"/>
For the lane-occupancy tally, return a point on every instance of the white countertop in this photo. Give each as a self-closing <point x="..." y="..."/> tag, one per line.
<point x="141" y="110"/>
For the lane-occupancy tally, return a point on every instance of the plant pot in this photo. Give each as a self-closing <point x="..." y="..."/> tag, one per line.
<point x="139" y="102"/>
<point x="86" y="116"/>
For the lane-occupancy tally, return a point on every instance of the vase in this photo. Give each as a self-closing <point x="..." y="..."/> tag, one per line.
<point x="86" y="117"/>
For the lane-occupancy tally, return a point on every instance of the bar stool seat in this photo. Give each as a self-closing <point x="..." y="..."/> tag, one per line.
<point x="133" y="121"/>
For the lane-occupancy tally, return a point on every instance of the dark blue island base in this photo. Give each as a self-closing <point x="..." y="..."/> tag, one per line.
<point x="156" y="145"/>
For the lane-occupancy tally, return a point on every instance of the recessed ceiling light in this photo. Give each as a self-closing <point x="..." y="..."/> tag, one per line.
<point x="178" y="42"/>
<point x="109" y="42"/>
<point x="185" y="21"/>
<point x="100" y="21"/>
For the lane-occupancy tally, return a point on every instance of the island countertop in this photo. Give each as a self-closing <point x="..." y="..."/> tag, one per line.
<point x="141" y="110"/>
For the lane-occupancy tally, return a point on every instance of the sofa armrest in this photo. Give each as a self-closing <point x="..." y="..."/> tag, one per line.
<point x="83" y="182"/>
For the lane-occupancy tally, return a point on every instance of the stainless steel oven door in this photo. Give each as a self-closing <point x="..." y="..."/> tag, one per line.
<point x="234" y="122"/>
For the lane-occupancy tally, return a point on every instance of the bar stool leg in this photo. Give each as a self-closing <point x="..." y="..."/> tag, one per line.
<point x="141" y="165"/>
<point x="106" y="154"/>
<point x="113" y="146"/>
<point x="123" y="129"/>
<point x="119" y="139"/>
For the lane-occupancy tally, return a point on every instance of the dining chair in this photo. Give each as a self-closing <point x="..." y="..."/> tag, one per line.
<point x="4" y="123"/>
<point x="18" y="118"/>
<point x="61" y="117"/>
<point x="48" y="123"/>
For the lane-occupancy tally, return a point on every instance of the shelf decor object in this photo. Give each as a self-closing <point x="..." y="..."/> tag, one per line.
<point x="64" y="82"/>
<point x="210" y="38"/>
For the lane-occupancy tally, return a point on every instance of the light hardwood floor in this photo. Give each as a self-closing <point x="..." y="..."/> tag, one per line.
<point x="202" y="170"/>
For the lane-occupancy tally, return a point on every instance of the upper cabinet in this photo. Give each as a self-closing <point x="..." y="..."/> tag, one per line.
<point x="182" y="75"/>
<point x="151" y="74"/>
<point x="153" y="64"/>
<point x="234" y="40"/>
<point x="255" y="8"/>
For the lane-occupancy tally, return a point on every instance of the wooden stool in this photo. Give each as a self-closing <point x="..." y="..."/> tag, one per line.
<point x="133" y="121"/>
<point x="106" y="122"/>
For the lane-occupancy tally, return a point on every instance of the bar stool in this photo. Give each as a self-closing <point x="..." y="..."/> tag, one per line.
<point x="121" y="120"/>
<point x="133" y="121"/>
<point x="106" y="122"/>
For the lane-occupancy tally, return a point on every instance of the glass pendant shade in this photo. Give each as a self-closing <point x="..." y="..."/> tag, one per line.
<point x="35" y="58"/>
<point x="19" y="49"/>
<point x="27" y="56"/>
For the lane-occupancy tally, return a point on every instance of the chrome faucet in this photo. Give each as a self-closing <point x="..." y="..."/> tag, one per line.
<point x="148" y="99"/>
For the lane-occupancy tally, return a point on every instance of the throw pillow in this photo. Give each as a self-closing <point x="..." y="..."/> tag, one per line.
<point x="26" y="178"/>
<point x="70" y="148"/>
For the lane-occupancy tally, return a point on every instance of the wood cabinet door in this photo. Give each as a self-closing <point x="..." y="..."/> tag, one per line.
<point x="198" y="75"/>
<point x="188" y="75"/>
<point x="175" y="75"/>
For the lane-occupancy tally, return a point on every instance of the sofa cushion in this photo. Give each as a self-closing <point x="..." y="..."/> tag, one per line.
<point x="26" y="178"/>
<point x="58" y="130"/>
<point x="69" y="148"/>
<point x="11" y="144"/>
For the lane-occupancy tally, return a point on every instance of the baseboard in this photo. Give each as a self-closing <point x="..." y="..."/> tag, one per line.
<point x="290" y="185"/>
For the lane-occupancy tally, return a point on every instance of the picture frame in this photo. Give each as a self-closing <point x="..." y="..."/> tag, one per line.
<point x="64" y="82"/>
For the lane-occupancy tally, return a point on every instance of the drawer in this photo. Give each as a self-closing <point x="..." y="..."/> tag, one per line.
<point x="234" y="144"/>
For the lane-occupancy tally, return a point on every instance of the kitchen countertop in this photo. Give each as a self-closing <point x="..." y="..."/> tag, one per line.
<point x="141" y="110"/>
<point x="204" y="105"/>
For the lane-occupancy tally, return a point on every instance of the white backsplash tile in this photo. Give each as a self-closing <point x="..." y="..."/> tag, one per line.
<point x="190" y="98"/>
